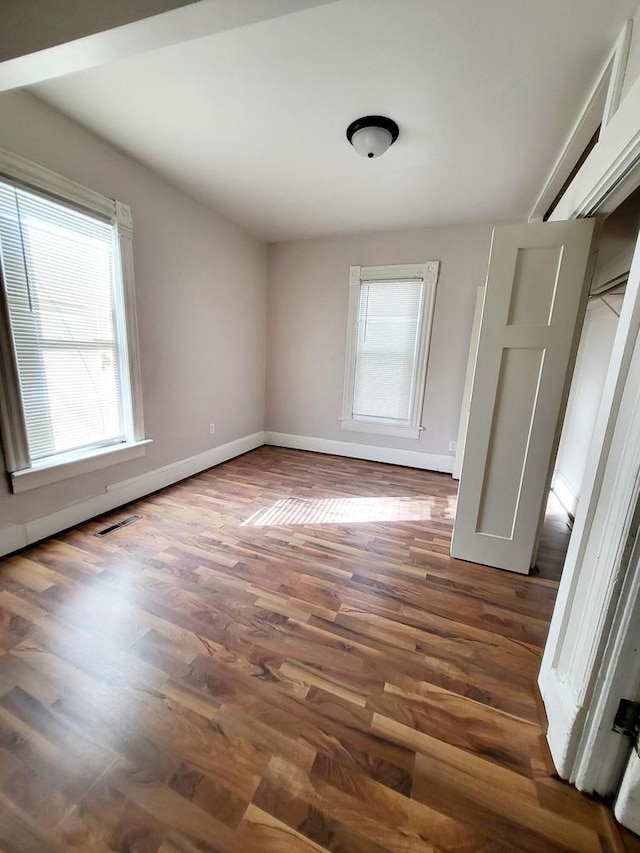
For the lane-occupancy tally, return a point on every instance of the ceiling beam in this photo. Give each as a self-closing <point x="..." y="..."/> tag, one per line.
<point x="33" y="25"/>
<point x="30" y="54"/>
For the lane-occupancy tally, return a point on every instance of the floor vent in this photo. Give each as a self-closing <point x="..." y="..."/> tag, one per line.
<point x="120" y="524"/>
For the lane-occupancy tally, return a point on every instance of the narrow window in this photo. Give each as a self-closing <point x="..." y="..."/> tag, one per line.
<point x="390" y="310"/>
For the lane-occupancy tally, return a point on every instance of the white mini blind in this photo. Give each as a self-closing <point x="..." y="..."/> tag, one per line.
<point x="59" y="268"/>
<point x="387" y="338"/>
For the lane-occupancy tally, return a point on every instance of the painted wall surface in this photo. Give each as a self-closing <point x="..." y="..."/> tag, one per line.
<point x="307" y="326"/>
<point x="201" y="303"/>
<point x="592" y="363"/>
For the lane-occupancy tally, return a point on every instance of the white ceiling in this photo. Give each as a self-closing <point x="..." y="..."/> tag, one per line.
<point x="252" y="120"/>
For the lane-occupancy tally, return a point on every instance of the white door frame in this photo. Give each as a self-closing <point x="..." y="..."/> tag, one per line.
<point x="602" y="753"/>
<point x="582" y="639"/>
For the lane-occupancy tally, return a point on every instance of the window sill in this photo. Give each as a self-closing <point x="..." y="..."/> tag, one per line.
<point x="379" y="428"/>
<point x="48" y="472"/>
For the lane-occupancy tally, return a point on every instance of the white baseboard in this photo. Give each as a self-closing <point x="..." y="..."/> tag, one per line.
<point x="564" y="717"/>
<point x="18" y="536"/>
<point x="374" y="453"/>
<point x="12" y="538"/>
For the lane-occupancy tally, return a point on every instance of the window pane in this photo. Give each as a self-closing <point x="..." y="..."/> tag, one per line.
<point x="59" y="271"/>
<point x="387" y="338"/>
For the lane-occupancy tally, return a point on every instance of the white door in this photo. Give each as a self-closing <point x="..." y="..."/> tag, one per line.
<point x="534" y="296"/>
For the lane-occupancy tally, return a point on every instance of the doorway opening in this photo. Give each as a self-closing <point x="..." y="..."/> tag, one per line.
<point x="617" y="244"/>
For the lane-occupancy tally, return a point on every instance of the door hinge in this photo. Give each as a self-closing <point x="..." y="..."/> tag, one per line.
<point x="627" y="720"/>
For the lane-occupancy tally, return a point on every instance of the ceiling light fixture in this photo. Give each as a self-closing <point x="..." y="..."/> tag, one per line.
<point x="372" y="135"/>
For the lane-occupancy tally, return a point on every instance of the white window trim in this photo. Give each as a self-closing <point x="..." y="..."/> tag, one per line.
<point x="25" y="474"/>
<point x="428" y="272"/>
<point x="45" y="472"/>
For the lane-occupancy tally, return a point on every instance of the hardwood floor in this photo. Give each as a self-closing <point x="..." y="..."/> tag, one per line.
<point x="279" y="656"/>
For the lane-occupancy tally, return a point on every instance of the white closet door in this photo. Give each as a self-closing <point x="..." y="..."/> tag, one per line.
<point x="534" y="294"/>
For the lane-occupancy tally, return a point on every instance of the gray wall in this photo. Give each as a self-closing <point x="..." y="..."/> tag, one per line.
<point x="201" y="301"/>
<point x="307" y="316"/>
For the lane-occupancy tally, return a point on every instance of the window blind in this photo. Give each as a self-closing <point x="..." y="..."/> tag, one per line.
<point x="386" y="349"/>
<point x="59" y="273"/>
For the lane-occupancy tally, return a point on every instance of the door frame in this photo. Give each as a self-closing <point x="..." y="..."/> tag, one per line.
<point x="578" y="672"/>
<point x="602" y="753"/>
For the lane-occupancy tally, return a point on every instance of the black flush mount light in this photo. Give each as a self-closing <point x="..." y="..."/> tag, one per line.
<point x="372" y="135"/>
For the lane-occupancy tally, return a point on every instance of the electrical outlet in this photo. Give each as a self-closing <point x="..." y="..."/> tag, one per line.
<point x="212" y="429"/>
<point x="453" y="446"/>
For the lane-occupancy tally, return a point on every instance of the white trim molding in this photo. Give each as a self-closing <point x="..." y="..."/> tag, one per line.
<point x="600" y="107"/>
<point x="34" y="176"/>
<point x="574" y="665"/>
<point x="381" y="428"/>
<point x="373" y="453"/>
<point x="581" y="134"/>
<point x="25" y="472"/>
<point x="16" y="536"/>
<point x="583" y="661"/>
<point x="602" y="752"/>
<point x="55" y="469"/>
<point x="563" y="709"/>
<point x="610" y="173"/>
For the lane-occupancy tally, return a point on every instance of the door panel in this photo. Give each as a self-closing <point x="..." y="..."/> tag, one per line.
<point x="534" y="296"/>
<point x="513" y="412"/>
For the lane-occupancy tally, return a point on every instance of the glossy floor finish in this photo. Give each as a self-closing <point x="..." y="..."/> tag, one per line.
<point x="279" y="656"/>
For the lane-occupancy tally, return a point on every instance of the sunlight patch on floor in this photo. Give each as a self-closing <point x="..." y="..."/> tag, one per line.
<point x="351" y="511"/>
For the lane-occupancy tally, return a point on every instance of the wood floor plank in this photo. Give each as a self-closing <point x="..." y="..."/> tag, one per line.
<point x="280" y="655"/>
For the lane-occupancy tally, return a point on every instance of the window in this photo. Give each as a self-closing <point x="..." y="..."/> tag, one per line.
<point x="68" y="363"/>
<point x="390" y="311"/>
